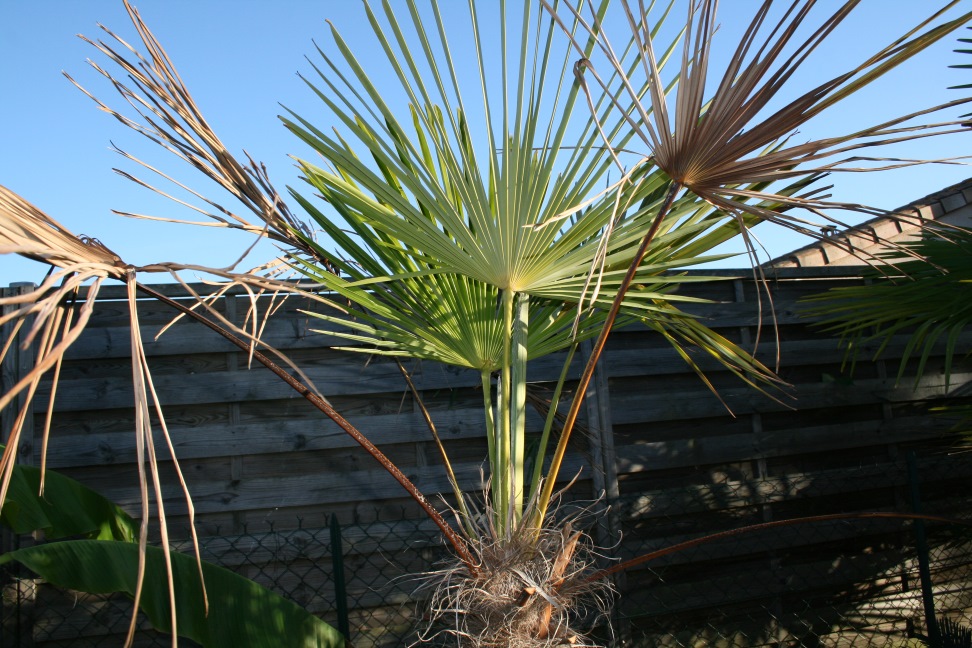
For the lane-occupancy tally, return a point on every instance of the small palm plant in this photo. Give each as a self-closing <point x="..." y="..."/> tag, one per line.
<point x="458" y="250"/>
<point x="920" y="303"/>
<point x="472" y="220"/>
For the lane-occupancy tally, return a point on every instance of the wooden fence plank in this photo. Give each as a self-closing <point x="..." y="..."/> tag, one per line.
<point x="332" y="487"/>
<point x="272" y="436"/>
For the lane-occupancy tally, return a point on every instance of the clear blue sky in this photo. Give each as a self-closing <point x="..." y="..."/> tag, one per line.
<point x="240" y="58"/>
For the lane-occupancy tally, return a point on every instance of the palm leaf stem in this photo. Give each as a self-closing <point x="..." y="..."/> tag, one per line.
<point x="491" y="445"/>
<point x="518" y="373"/>
<point x="320" y="403"/>
<point x="548" y="423"/>
<point x="596" y="351"/>
<point x="504" y="467"/>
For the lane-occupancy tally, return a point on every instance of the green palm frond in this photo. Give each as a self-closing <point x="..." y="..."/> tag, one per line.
<point x="417" y="304"/>
<point x="484" y="235"/>
<point x="963" y="66"/>
<point x="927" y="302"/>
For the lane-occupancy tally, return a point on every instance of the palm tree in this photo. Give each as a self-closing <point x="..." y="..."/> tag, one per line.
<point x="456" y="252"/>
<point x="474" y="220"/>
<point x="429" y="198"/>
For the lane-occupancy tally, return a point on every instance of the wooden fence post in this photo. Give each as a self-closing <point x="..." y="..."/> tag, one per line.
<point x="16" y="365"/>
<point x="603" y="460"/>
<point x="19" y="594"/>
<point x="604" y="472"/>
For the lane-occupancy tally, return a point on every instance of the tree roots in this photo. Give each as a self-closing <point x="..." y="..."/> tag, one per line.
<point x="531" y="589"/>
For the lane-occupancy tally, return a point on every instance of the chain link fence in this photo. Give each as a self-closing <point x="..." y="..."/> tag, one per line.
<point x="857" y="580"/>
<point x="813" y="565"/>
<point x="360" y="579"/>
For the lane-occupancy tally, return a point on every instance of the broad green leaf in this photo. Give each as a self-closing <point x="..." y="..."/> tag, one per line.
<point x="66" y="509"/>
<point x="242" y="614"/>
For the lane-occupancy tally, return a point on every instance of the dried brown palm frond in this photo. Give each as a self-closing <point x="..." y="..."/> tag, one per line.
<point x="53" y="322"/>
<point x="26" y="230"/>
<point x="715" y="146"/>
<point x="49" y="313"/>
<point x="170" y="117"/>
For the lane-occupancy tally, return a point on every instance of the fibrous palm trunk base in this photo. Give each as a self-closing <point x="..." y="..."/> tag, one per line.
<point x="531" y="589"/>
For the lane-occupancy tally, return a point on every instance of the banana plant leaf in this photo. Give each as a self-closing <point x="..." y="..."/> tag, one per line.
<point x="67" y="509"/>
<point x="241" y="613"/>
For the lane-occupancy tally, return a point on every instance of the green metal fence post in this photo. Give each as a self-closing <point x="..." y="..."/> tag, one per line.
<point x="921" y="544"/>
<point x="340" y="588"/>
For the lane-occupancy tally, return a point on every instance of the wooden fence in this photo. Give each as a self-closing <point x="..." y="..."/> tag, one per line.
<point x="675" y="460"/>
